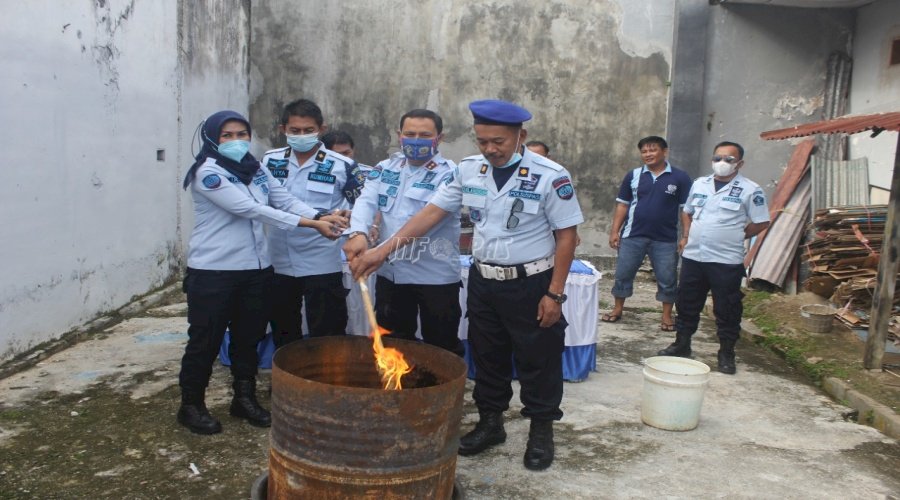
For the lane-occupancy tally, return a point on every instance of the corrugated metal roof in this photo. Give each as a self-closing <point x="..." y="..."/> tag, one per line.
<point x="844" y="124"/>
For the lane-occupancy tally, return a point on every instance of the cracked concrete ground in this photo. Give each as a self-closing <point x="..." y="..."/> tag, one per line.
<point x="97" y="421"/>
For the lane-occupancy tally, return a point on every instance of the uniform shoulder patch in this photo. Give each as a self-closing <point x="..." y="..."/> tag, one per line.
<point x="759" y="199"/>
<point x="212" y="181"/>
<point x="320" y="155"/>
<point x="563" y="187"/>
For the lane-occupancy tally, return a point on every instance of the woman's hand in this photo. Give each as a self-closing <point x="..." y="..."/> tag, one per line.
<point x="328" y="229"/>
<point x="340" y="221"/>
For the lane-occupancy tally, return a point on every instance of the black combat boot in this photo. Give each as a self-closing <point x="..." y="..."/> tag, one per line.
<point x="194" y="415"/>
<point x="726" y="356"/>
<point x="681" y="347"/>
<point x="539" y="451"/>
<point x="244" y="404"/>
<point x="487" y="432"/>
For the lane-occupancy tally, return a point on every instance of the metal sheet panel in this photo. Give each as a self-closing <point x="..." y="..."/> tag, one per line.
<point x="779" y="248"/>
<point x="837" y="183"/>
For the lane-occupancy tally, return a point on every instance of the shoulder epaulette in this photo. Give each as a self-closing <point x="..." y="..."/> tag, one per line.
<point x="286" y="151"/>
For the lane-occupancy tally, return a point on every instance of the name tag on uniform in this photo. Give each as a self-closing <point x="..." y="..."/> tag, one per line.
<point x="320" y="183"/>
<point x="420" y="194"/>
<point x="730" y="205"/>
<point x="525" y="195"/>
<point x="474" y="197"/>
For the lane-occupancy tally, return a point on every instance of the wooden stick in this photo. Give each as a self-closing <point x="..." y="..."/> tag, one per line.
<point x="370" y="310"/>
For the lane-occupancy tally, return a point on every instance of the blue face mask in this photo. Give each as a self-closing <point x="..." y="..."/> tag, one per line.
<point x="303" y="143"/>
<point x="416" y="149"/>
<point x="234" y="150"/>
<point x="515" y="158"/>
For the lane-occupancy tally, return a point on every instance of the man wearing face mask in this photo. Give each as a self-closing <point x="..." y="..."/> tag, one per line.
<point x="423" y="281"/>
<point x="723" y="210"/>
<point x="516" y="199"/>
<point x="309" y="269"/>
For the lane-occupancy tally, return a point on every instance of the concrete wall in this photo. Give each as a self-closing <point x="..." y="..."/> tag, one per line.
<point x="875" y="86"/>
<point x="91" y="92"/>
<point x="766" y="69"/>
<point x="594" y="73"/>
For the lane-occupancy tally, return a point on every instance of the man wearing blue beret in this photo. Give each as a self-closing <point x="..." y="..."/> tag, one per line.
<point x="516" y="199"/>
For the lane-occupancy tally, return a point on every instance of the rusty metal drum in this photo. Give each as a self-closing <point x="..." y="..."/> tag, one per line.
<point x="337" y="434"/>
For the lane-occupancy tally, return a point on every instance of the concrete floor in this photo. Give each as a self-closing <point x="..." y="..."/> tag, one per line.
<point x="97" y="420"/>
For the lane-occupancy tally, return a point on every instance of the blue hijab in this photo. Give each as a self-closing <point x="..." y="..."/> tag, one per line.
<point x="209" y="138"/>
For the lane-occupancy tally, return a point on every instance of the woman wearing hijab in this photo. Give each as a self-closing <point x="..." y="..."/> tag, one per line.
<point x="229" y="272"/>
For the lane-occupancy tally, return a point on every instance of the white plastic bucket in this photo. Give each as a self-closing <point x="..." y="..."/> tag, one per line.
<point x="673" y="392"/>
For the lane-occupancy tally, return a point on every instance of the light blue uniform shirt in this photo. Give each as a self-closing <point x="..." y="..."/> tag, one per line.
<point x="229" y="217"/>
<point x="718" y="218"/>
<point x="399" y="191"/>
<point x="513" y="225"/>
<point x="322" y="182"/>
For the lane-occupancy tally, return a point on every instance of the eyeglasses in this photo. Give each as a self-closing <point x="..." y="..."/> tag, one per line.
<point x="513" y="221"/>
<point x="727" y="159"/>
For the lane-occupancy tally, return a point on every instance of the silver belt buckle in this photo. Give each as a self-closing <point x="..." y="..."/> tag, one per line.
<point x="509" y="273"/>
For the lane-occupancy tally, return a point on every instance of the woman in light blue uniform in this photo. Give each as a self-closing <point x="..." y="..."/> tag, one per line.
<point x="229" y="271"/>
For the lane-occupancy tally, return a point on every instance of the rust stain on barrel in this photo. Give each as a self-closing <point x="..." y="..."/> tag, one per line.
<point x="337" y="434"/>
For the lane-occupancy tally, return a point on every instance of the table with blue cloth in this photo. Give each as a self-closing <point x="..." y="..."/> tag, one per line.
<point x="581" y="311"/>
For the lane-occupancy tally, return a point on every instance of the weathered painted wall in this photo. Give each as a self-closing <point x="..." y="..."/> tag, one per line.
<point x="766" y="69"/>
<point x="92" y="90"/>
<point x="594" y="73"/>
<point x="875" y="85"/>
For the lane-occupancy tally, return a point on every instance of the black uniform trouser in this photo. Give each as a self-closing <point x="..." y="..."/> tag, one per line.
<point x="502" y="327"/>
<point x="695" y="282"/>
<point x="398" y="308"/>
<point x="326" y="306"/>
<point x="237" y="300"/>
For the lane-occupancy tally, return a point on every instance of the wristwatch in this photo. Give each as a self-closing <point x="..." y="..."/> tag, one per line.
<point x="559" y="298"/>
<point x="354" y="234"/>
<point x="322" y="213"/>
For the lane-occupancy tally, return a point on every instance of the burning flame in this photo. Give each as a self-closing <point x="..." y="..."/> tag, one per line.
<point x="389" y="361"/>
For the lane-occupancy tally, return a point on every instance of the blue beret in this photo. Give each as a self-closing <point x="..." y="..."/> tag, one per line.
<point x="497" y="112"/>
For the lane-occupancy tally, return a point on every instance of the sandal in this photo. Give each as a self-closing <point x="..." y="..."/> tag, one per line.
<point x="610" y="318"/>
<point x="667" y="327"/>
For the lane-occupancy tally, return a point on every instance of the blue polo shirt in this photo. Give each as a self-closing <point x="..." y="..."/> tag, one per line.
<point x="654" y="203"/>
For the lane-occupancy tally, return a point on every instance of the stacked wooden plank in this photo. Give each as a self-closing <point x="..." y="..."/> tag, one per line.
<point x="843" y="259"/>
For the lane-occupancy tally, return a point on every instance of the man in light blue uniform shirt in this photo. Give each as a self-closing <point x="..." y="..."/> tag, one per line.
<point x="516" y="200"/>
<point x="309" y="269"/>
<point x="421" y="280"/>
<point x="722" y="211"/>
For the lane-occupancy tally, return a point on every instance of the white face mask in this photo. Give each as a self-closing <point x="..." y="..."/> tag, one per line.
<point x="723" y="168"/>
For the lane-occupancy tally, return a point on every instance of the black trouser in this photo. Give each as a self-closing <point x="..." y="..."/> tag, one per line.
<point x="695" y="282"/>
<point x="399" y="307"/>
<point x="326" y="306"/>
<point x="502" y="326"/>
<point x="237" y="300"/>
